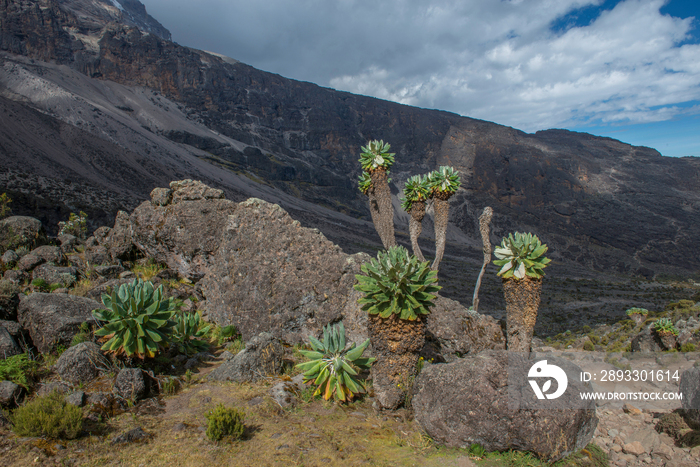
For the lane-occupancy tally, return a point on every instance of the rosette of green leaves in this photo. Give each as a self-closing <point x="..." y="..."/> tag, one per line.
<point x="190" y="333"/>
<point x="333" y="366"/>
<point x="665" y="326"/>
<point x="139" y="319"/>
<point x="521" y="255"/>
<point x="397" y="283"/>
<point x="416" y="189"/>
<point x="637" y="311"/>
<point x="376" y="156"/>
<point x="445" y="179"/>
<point x="365" y="182"/>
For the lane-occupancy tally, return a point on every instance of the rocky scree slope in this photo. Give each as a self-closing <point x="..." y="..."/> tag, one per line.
<point x="598" y="202"/>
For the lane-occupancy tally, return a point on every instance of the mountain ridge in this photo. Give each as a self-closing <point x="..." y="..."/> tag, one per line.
<point x="597" y="202"/>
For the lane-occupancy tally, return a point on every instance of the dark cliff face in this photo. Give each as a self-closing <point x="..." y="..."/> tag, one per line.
<point x="595" y="201"/>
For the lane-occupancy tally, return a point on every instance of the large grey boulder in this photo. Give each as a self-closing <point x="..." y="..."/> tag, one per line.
<point x="261" y="357"/>
<point x="117" y="241"/>
<point x="270" y="274"/>
<point x="452" y="331"/>
<point x="8" y="345"/>
<point x="21" y="231"/>
<point x="185" y="233"/>
<point x="81" y="363"/>
<point x="54" y="319"/>
<point x="690" y="387"/>
<point x="470" y="401"/>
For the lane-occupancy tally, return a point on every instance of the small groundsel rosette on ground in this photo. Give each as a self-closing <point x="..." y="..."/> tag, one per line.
<point x="376" y="156"/>
<point x="444" y="180"/>
<point x="139" y="319"/>
<point x="521" y="255"/>
<point x="397" y="283"/>
<point x="665" y="326"/>
<point x="190" y="333"/>
<point x="333" y="366"/>
<point x="416" y="189"/>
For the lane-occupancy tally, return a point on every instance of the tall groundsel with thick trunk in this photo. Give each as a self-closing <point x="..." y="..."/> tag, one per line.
<point x="522" y="260"/>
<point x="416" y="192"/>
<point x="374" y="182"/>
<point x="398" y="290"/>
<point x="443" y="183"/>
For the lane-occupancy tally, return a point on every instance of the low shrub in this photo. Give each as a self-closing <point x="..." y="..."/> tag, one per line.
<point x="225" y="422"/>
<point x="588" y="345"/>
<point x="49" y="416"/>
<point x="76" y="225"/>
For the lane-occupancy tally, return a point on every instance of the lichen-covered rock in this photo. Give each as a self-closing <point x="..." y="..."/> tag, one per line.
<point x="118" y="242"/>
<point x="467" y="401"/>
<point x="53" y="319"/>
<point x="647" y="341"/>
<point x="9" y="300"/>
<point x="193" y="190"/>
<point x="110" y="271"/>
<point x="161" y="196"/>
<point x="29" y="262"/>
<point x="49" y="254"/>
<point x="452" y="331"/>
<point x="131" y="384"/>
<point x="18" y="231"/>
<point x="184" y="234"/>
<point x="270" y="274"/>
<point x="66" y="276"/>
<point x="261" y="357"/>
<point x="10" y="394"/>
<point x="68" y="243"/>
<point x="690" y="387"/>
<point x="81" y="363"/>
<point x="9" y="258"/>
<point x="8" y="345"/>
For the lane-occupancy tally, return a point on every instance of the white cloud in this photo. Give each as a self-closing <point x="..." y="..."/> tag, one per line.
<point x="494" y="60"/>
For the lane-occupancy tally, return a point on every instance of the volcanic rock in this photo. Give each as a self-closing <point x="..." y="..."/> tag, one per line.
<point x="9" y="300"/>
<point x="186" y="233"/>
<point x="270" y="274"/>
<point x="21" y="231"/>
<point x="49" y="254"/>
<point x="467" y="401"/>
<point x="66" y="276"/>
<point x="690" y="387"/>
<point x="8" y="346"/>
<point x="261" y="357"/>
<point x="10" y="394"/>
<point x="454" y="331"/>
<point x="131" y="384"/>
<point x="53" y="319"/>
<point x="81" y="363"/>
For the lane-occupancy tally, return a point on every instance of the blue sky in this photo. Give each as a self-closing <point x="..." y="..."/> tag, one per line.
<point x="628" y="69"/>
